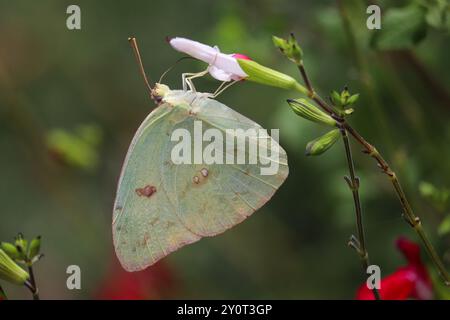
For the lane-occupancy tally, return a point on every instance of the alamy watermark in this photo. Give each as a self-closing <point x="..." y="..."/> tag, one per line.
<point x="234" y="146"/>
<point x="74" y="279"/>
<point x="374" y="20"/>
<point x="374" y="279"/>
<point x="73" y="21"/>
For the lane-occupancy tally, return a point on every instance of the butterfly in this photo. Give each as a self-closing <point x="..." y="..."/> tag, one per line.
<point x="164" y="201"/>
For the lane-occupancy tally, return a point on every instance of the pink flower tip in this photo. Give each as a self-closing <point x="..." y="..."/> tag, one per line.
<point x="240" y="56"/>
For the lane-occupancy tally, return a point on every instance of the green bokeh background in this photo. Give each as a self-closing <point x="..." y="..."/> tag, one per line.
<point x="295" y="246"/>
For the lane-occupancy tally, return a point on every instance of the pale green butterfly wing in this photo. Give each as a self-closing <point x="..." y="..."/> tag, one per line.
<point x="161" y="206"/>
<point x="229" y="192"/>
<point x="140" y="223"/>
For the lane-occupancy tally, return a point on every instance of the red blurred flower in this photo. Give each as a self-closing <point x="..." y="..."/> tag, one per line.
<point x="410" y="281"/>
<point x="155" y="282"/>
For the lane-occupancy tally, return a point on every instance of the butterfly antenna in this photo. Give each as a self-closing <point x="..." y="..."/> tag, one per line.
<point x="133" y="43"/>
<point x="172" y="66"/>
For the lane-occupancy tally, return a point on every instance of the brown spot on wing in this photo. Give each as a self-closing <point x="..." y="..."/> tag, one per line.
<point x="201" y="178"/>
<point x="204" y="172"/>
<point x="146" y="191"/>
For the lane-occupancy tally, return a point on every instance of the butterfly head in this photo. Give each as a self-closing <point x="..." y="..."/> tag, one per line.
<point x="159" y="91"/>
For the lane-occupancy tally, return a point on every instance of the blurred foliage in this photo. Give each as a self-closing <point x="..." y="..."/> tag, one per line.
<point x="77" y="149"/>
<point x="439" y="198"/>
<point x="53" y="79"/>
<point x="402" y="28"/>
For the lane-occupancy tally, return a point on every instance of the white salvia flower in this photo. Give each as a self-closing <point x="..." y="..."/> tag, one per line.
<point x="223" y="67"/>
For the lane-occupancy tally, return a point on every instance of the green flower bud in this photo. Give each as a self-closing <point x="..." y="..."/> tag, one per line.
<point x="310" y="112"/>
<point x="290" y="48"/>
<point x="336" y="98"/>
<point x="21" y="242"/>
<point x="10" y="250"/>
<point x="280" y="43"/>
<point x="21" y="245"/>
<point x="264" y="75"/>
<point x="10" y="271"/>
<point x="352" y="99"/>
<point x="343" y="99"/>
<point x="323" y="143"/>
<point x="35" y="247"/>
<point x="345" y="94"/>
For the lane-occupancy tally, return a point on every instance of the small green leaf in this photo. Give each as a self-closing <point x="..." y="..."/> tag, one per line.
<point x="402" y="28"/>
<point x="323" y="143"/>
<point x="310" y="112"/>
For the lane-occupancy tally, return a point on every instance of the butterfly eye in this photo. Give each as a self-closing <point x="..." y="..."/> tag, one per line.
<point x="157" y="99"/>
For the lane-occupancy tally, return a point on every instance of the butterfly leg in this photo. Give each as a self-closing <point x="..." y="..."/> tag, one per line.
<point x="185" y="82"/>
<point x="218" y="89"/>
<point x="188" y="79"/>
<point x="223" y="87"/>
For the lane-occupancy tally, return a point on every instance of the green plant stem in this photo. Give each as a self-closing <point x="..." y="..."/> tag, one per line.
<point x="352" y="181"/>
<point x="410" y="217"/>
<point x="33" y="288"/>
